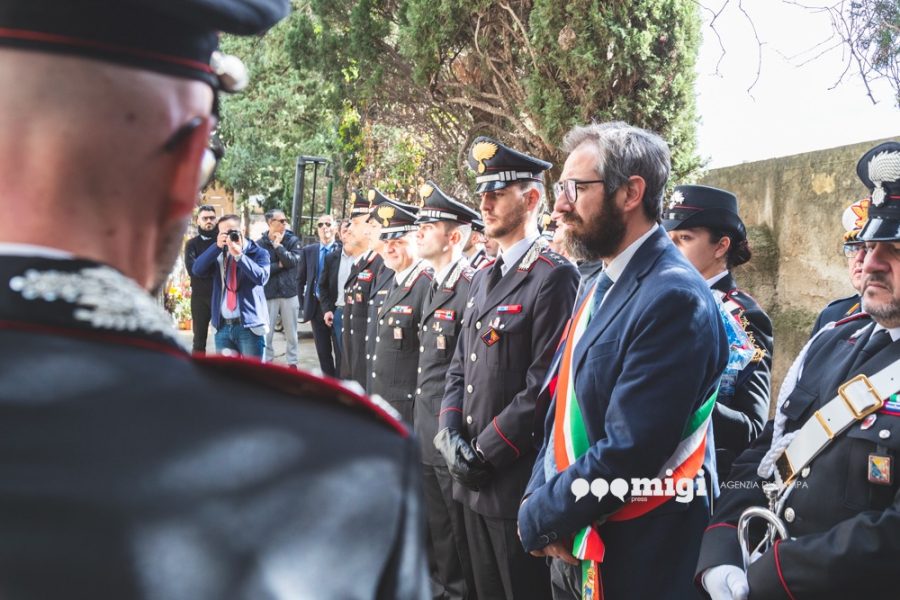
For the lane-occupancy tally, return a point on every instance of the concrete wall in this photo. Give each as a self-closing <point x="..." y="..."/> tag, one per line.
<point x="792" y="207"/>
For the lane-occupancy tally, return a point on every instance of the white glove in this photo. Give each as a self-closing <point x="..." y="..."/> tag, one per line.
<point x="726" y="582"/>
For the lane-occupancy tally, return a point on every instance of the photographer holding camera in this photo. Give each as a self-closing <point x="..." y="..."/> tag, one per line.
<point x="239" y="311"/>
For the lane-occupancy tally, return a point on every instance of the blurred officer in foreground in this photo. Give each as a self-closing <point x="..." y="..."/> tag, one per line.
<point x="444" y="225"/>
<point x="825" y="467"/>
<point x="854" y="251"/>
<point x="515" y="315"/>
<point x="704" y="224"/>
<point x="131" y="470"/>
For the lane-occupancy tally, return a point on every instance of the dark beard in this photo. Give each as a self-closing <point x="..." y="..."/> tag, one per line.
<point x="502" y="230"/>
<point x="601" y="237"/>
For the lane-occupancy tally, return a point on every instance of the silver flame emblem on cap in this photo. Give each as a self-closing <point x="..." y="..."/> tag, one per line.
<point x="883" y="167"/>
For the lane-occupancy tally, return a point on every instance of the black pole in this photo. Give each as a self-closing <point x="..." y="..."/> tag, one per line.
<point x="299" y="184"/>
<point x="313" y="215"/>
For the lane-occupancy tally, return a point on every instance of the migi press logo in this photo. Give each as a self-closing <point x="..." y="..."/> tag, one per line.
<point x="684" y="489"/>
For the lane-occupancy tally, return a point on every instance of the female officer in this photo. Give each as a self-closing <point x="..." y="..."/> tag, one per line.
<point x="703" y="223"/>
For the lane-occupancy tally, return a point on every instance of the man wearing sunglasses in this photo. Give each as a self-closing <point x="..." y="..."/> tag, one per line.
<point x="281" y="289"/>
<point x="854" y="250"/>
<point x="130" y="468"/>
<point x="312" y="266"/>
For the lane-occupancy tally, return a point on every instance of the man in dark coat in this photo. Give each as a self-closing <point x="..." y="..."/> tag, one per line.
<point x="515" y="314"/>
<point x="312" y="262"/>
<point x="201" y="287"/>
<point x="633" y="390"/>
<point x="356" y="293"/>
<point x="281" y="289"/>
<point x="828" y="458"/>
<point x="130" y="468"/>
<point x="444" y="225"/>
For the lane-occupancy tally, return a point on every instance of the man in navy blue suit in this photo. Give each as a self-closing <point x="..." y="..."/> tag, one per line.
<point x="312" y="263"/>
<point x="632" y="387"/>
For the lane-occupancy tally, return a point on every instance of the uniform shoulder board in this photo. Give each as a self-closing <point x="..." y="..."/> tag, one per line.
<point x="851" y="318"/>
<point x="550" y="257"/>
<point x="839" y="300"/>
<point x="421" y="270"/>
<point x="737" y="300"/>
<point x="300" y="384"/>
<point x="467" y="273"/>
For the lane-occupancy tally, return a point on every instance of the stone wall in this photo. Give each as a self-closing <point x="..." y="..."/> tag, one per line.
<point x="792" y="207"/>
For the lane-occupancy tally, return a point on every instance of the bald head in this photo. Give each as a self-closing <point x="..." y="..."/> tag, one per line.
<point x="82" y="160"/>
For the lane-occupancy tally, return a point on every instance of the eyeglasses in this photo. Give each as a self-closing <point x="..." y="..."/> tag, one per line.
<point x="568" y="188"/>
<point x="211" y="155"/>
<point x="281" y="220"/>
<point x="323" y="225"/>
<point x="209" y="218"/>
<point x="852" y="249"/>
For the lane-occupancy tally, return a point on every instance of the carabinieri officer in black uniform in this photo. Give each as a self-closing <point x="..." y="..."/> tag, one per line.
<point x="704" y="224"/>
<point x="445" y="225"/>
<point x="854" y="251"/>
<point x="515" y="316"/>
<point x="830" y="455"/>
<point x="130" y="469"/>
<point x="357" y="292"/>
<point x="396" y="348"/>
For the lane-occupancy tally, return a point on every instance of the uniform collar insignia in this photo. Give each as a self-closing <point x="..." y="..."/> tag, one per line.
<point x="102" y="298"/>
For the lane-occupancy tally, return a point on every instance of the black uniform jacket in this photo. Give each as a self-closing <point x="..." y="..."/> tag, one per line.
<point x="441" y="325"/>
<point x="131" y="470"/>
<point x="837" y="310"/>
<point x="395" y="354"/>
<point x="508" y="339"/>
<point x="356" y="302"/>
<point x="844" y="528"/>
<point x="742" y="407"/>
<point x="378" y="293"/>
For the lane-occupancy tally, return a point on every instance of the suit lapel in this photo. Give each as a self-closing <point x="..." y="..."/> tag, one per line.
<point x="620" y="293"/>
<point x="725" y="285"/>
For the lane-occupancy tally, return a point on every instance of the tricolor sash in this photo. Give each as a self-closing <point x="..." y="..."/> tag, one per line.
<point x="570" y="442"/>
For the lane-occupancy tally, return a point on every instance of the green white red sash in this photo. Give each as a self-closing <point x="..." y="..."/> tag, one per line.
<point x="571" y="442"/>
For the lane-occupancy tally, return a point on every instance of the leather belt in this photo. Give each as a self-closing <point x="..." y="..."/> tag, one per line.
<point x="856" y="399"/>
<point x="236" y="321"/>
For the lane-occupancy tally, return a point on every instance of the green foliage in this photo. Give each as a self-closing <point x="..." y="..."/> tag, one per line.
<point x="395" y="90"/>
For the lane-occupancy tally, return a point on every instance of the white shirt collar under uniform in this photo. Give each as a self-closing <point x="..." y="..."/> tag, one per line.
<point x="516" y="251"/>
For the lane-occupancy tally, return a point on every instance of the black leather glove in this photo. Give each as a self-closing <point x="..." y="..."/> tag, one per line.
<point x="465" y="466"/>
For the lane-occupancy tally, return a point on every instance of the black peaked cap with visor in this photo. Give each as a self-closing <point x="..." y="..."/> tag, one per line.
<point x="395" y="220"/>
<point x="879" y="170"/>
<point x="173" y="37"/>
<point x="497" y="165"/>
<point x="438" y="206"/>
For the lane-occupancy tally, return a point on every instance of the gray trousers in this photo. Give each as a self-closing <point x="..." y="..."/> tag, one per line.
<point x="289" y="309"/>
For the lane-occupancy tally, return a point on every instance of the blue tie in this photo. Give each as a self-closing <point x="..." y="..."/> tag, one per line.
<point x="323" y="250"/>
<point x="603" y="285"/>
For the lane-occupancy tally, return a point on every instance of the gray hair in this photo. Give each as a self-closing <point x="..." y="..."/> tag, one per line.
<point x="622" y="151"/>
<point x="270" y="214"/>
